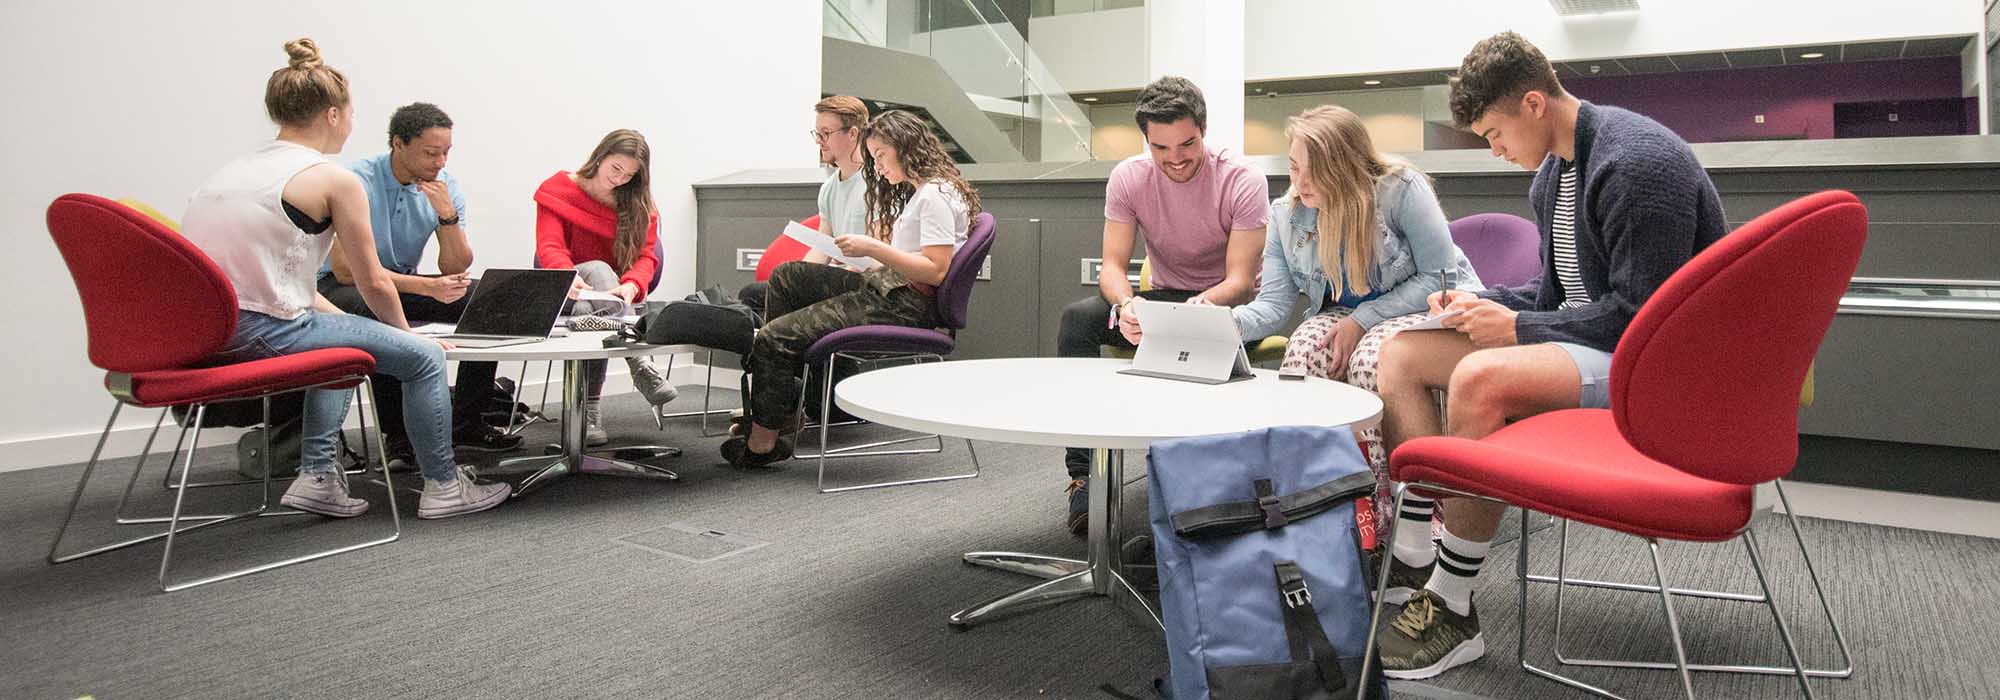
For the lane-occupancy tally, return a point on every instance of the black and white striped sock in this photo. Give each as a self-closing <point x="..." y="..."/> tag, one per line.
<point x="1413" y="532"/>
<point x="1457" y="565"/>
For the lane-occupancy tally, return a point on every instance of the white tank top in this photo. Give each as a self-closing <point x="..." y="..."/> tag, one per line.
<point x="238" y="219"/>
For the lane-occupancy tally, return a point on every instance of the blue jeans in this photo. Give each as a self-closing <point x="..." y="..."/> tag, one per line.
<point x="417" y="361"/>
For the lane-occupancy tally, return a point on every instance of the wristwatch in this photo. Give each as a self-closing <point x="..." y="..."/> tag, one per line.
<point x="453" y="221"/>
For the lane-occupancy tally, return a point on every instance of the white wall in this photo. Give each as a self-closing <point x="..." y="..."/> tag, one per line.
<point x="1394" y="118"/>
<point x="1291" y="38"/>
<point x="1093" y="51"/>
<point x="145" y="99"/>
<point x="1305" y="38"/>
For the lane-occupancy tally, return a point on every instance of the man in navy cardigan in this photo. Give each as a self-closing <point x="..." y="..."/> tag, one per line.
<point x="1622" y="204"/>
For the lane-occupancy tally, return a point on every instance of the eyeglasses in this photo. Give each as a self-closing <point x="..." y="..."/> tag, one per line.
<point x="820" y="136"/>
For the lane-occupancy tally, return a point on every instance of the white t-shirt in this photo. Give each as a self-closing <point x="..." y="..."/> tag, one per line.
<point x="935" y="215"/>
<point x="238" y="219"/>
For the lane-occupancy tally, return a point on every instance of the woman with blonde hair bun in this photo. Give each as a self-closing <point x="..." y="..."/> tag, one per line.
<point x="268" y="220"/>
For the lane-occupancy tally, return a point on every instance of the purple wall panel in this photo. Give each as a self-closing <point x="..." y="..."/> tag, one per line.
<point x="1796" y="101"/>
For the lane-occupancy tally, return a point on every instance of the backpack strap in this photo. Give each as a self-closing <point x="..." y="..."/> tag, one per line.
<point x="1270" y="512"/>
<point x="1302" y="629"/>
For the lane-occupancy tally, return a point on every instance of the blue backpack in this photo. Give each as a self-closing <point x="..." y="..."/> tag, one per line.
<point x="1263" y="583"/>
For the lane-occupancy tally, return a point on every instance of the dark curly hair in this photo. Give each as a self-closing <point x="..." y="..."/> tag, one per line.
<point x="923" y="159"/>
<point x="1171" y="99"/>
<point x="412" y="119"/>
<point x="1498" y="68"/>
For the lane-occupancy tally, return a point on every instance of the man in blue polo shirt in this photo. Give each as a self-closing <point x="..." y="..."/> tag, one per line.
<point x="410" y="200"/>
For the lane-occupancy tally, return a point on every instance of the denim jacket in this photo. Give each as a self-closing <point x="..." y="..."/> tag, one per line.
<point x="1413" y="245"/>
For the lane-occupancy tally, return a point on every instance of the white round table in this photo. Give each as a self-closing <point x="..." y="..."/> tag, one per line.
<point x="1072" y="402"/>
<point x="573" y="350"/>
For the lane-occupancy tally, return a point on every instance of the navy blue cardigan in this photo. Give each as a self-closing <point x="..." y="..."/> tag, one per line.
<point x="1645" y="206"/>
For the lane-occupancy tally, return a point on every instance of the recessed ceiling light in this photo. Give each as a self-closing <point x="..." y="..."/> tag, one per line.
<point x="1371" y="82"/>
<point x="1595" y="69"/>
<point x="1090" y="99"/>
<point x="1812" y="54"/>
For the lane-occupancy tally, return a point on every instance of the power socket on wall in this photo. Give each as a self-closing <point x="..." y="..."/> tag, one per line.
<point x="1759" y="118"/>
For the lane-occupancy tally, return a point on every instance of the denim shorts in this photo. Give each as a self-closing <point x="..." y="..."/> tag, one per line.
<point x="1593" y="369"/>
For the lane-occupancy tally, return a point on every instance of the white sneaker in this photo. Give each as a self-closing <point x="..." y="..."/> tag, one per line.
<point x="460" y="496"/>
<point x="323" y="493"/>
<point x="593" y="426"/>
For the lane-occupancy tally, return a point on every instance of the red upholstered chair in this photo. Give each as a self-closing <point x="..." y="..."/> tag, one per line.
<point x="155" y="349"/>
<point x="1704" y="406"/>
<point x="783" y="249"/>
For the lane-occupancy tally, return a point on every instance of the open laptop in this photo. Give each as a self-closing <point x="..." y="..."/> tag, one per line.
<point x="512" y="307"/>
<point x="1189" y="342"/>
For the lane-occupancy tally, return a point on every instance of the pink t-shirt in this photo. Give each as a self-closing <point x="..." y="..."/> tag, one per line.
<point x="1186" y="225"/>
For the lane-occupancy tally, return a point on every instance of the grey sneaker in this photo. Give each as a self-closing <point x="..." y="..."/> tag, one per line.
<point x="1428" y="639"/>
<point x="646" y="378"/>
<point x="1404" y="580"/>
<point x="323" y="494"/>
<point x="593" y="426"/>
<point x="460" y="496"/>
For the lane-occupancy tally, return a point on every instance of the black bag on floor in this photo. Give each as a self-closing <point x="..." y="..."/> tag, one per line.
<point x="502" y="409"/>
<point x="245" y="413"/>
<point x="285" y="449"/>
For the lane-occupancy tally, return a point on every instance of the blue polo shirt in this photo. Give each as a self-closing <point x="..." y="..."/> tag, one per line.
<point x="401" y="216"/>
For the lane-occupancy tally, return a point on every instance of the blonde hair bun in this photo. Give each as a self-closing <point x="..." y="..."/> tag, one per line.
<point x="304" y="53"/>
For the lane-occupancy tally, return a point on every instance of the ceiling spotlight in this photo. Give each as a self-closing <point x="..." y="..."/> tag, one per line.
<point x="1594" y="70"/>
<point x="1812" y="54"/>
<point x="1371" y="81"/>
<point x="1090" y="99"/>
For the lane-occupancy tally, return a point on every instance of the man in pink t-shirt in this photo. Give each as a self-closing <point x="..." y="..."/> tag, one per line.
<point x="1202" y="213"/>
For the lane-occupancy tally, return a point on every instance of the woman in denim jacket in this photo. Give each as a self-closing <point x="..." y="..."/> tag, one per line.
<point x="1362" y="282"/>
<point x="1360" y="234"/>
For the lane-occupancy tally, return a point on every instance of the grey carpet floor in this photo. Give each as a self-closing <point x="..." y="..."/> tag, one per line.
<point x="570" y="594"/>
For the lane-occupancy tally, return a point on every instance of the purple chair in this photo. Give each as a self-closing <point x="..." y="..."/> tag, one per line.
<point x="1504" y="249"/>
<point x="878" y="343"/>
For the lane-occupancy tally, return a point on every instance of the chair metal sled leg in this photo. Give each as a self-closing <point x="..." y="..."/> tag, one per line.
<point x="1845" y="670"/>
<point x="660" y="415"/>
<point x="873" y="449"/>
<point x="169" y="585"/>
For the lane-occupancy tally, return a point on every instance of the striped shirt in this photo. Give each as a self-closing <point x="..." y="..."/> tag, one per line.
<point x="1562" y="240"/>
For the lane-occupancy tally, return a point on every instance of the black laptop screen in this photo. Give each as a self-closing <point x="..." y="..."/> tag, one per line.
<point x="516" y="302"/>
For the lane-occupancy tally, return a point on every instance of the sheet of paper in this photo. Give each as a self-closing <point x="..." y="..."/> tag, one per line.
<point x="598" y="299"/>
<point x="1433" y="323"/>
<point x="824" y="244"/>
<point x="434" y="328"/>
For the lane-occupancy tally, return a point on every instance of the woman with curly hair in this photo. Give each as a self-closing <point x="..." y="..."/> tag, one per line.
<point x="919" y="213"/>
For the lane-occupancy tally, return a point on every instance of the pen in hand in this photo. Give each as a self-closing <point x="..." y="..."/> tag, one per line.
<point x="1444" y="289"/>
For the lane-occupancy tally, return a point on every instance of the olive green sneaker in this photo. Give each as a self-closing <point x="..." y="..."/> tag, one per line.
<point x="1404" y="580"/>
<point x="1428" y="639"/>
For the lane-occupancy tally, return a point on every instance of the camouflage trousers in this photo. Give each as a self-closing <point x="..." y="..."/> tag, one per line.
<point x="805" y="303"/>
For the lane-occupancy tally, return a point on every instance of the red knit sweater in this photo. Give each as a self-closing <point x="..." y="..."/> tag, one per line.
<point x="571" y="228"/>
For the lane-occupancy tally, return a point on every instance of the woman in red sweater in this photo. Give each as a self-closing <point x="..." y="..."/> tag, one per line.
<point x="601" y="221"/>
